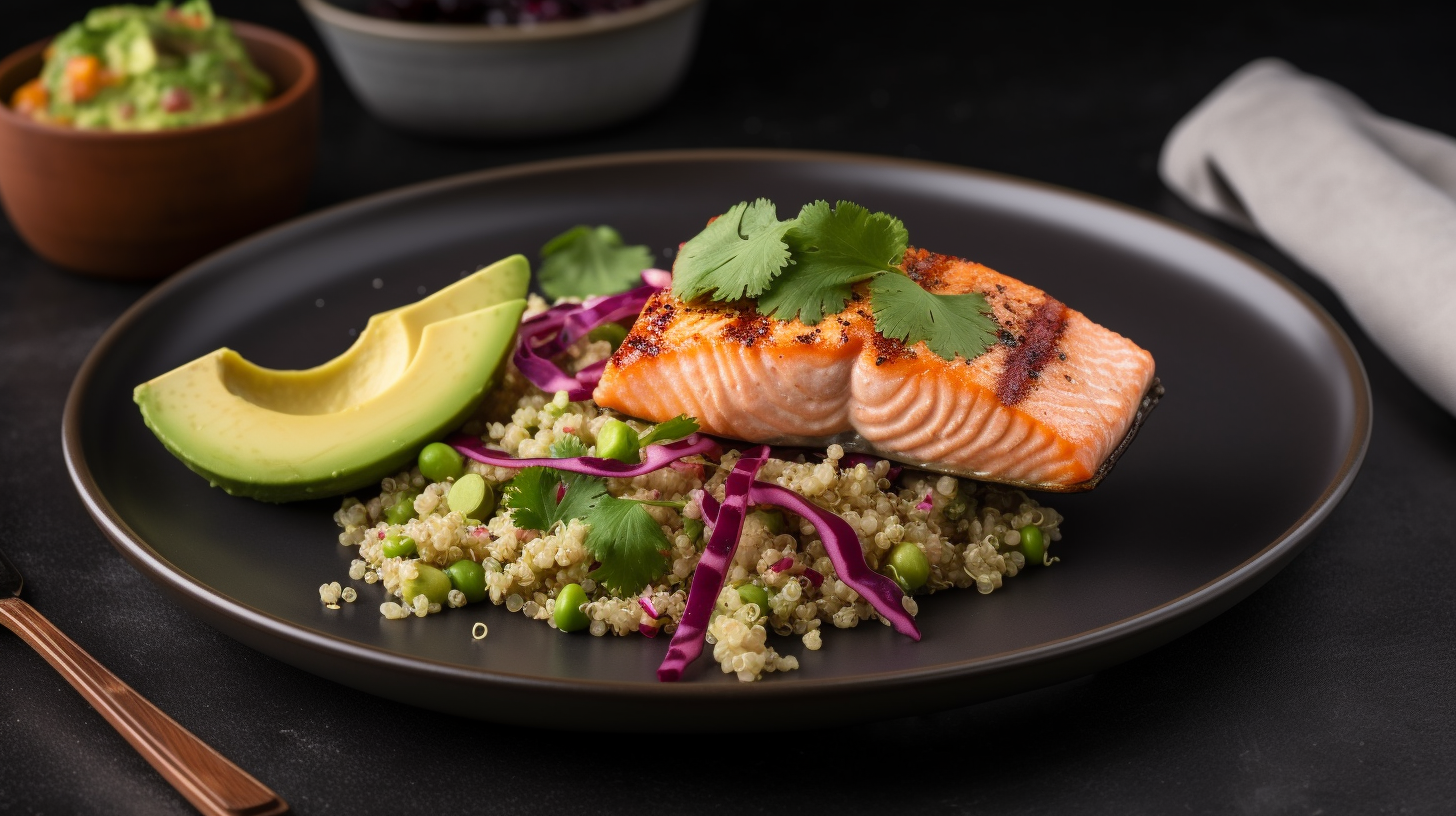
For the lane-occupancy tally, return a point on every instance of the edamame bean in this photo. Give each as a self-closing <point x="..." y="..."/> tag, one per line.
<point x="396" y="546"/>
<point x="402" y="510"/>
<point x="429" y="582"/>
<point x="617" y="440"/>
<point x="469" y="578"/>
<point x="1033" y="545"/>
<point x="471" y="497"/>
<point x="694" y="529"/>
<point x="772" y="521"/>
<point x="439" y="462"/>
<point x="755" y="594"/>
<point x="908" y="566"/>
<point x="568" y="611"/>
<point x="613" y="333"/>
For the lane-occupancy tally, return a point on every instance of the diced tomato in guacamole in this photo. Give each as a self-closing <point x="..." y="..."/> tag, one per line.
<point x="144" y="68"/>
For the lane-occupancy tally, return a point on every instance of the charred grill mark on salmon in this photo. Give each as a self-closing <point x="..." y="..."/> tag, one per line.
<point x="747" y="328"/>
<point x="1032" y="352"/>
<point x="645" y="337"/>
<point x="926" y="268"/>
<point x="1046" y="407"/>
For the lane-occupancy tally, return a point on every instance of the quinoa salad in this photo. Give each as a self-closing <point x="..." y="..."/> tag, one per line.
<point x="927" y="532"/>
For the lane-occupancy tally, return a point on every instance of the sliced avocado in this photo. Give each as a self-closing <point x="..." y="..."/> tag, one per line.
<point x="414" y="373"/>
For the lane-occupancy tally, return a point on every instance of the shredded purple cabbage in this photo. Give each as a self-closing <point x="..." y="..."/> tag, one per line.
<point x="654" y="457"/>
<point x="551" y="332"/>
<point x="843" y="547"/>
<point x="712" y="569"/>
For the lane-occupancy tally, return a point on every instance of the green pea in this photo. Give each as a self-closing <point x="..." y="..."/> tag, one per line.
<point x="613" y="333"/>
<point x="694" y="529"/>
<point x="439" y="462"/>
<point x="471" y="497"/>
<point x="402" y="510"/>
<point x="398" y="546"/>
<point x="568" y="610"/>
<point x="469" y="578"/>
<point x="1033" y="544"/>
<point x="772" y="521"/>
<point x="429" y="582"/>
<point x="908" y="566"/>
<point x="755" y="594"/>
<point x="617" y="440"/>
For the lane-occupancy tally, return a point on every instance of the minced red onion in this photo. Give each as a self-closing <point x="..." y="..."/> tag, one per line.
<point x="814" y="577"/>
<point x="782" y="564"/>
<point x="646" y="604"/>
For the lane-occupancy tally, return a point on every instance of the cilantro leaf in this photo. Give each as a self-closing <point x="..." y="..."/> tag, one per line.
<point x="832" y="251"/>
<point x="628" y="543"/>
<point x="582" y="495"/>
<point x="736" y="256"/>
<point x="568" y="447"/>
<point x="586" y="261"/>
<point x="531" y="497"/>
<point x="676" y="428"/>
<point x="949" y="324"/>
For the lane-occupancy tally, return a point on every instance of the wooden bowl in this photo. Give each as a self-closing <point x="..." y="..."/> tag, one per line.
<point x="143" y="205"/>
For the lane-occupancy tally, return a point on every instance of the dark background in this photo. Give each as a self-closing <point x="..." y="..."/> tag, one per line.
<point x="1328" y="691"/>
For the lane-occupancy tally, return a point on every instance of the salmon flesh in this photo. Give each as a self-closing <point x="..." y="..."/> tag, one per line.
<point x="1050" y="406"/>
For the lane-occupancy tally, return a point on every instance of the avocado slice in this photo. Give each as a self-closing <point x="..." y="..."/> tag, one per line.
<point x="415" y="373"/>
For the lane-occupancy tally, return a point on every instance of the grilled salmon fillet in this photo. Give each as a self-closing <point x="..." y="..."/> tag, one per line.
<point x="1047" y="407"/>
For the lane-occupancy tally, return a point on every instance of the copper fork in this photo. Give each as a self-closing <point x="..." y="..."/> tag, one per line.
<point x="210" y="782"/>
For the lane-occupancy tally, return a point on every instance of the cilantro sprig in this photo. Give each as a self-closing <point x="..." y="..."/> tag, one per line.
<point x="625" y="540"/>
<point x="833" y="250"/>
<point x="585" y="261"/>
<point x="736" y="256"/>
<point x="949" y="324"/>
<point x="807" y="268"/>
<point x="531" y="497"/>
<point x="628" y="543"/>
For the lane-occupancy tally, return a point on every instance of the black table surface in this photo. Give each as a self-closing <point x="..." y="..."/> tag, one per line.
<point x="1329" y="690"/>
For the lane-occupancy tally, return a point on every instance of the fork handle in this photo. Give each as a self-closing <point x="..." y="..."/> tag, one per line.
<point x="210" y="782"/>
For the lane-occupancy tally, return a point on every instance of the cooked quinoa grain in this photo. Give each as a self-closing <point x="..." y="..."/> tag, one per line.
<point x="969" y="535"/>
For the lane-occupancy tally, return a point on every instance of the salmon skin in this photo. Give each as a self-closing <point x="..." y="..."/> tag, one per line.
<point x="1049" y="407"/>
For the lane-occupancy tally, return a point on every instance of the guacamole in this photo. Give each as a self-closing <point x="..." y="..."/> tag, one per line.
<point x="144" y="68"/>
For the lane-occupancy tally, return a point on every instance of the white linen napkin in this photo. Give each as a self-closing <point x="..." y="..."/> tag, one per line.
<point x="1366" y="202"/>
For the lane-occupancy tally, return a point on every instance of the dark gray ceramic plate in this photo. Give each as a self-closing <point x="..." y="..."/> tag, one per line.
<point x="1263" y="428"/>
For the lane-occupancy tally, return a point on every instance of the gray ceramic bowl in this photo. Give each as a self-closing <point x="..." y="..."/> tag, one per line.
<point x="510" y="81"/>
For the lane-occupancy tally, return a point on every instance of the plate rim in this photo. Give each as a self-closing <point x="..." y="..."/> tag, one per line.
<point x="1237" y="582"/>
